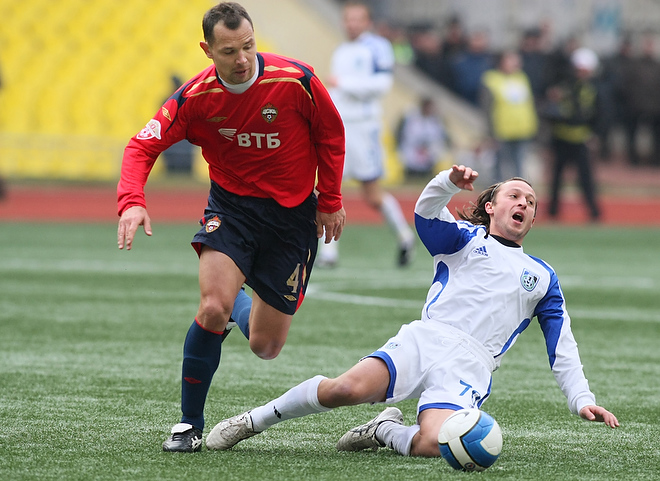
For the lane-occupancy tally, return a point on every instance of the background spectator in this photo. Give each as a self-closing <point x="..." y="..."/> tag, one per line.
<point x="455" y="40"/>
<point x="534" y="61"/>
<point x="507" y="100"/>
<point x="426" y="42"/>
<point x="572" y="109"/>
<point x="422" y="140"/>
<point x="639" y="88"/>
<point x="468" y="67"/>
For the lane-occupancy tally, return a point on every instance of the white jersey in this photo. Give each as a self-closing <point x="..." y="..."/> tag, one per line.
<point x="363" y="69"/>
<point x="491" y="290"/>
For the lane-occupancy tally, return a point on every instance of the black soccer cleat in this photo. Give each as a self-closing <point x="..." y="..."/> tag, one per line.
<point x="406" y="254"/>
<point x="185" y="438"/>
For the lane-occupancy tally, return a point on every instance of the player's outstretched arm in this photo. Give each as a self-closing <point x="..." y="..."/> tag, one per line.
<point x="463" y="177"/>
<point x="130" y="220"/>
<point x="602" y="415"/>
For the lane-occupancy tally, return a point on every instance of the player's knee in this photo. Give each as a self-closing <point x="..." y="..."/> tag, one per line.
<point x="266" y="349"/>
<point x="213" y="314"/>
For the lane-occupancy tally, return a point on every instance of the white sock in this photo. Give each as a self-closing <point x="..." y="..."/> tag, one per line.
<point x="298" y="401"/>
<point x="392" y="212"/>
<point x="397" y="437"/>
<point x="328" y="252"/>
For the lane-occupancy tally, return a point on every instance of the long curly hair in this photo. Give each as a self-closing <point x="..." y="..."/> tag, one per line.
<point x="476" y="213"/>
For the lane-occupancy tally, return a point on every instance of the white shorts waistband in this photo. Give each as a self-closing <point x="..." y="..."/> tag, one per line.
<point x="471" y="344"/>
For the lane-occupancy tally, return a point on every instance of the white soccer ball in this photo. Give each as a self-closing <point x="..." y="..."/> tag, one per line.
<point x="470" y="440"/>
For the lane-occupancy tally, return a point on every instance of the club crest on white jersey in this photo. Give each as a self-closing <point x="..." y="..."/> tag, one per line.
<point x="529" y="280"/>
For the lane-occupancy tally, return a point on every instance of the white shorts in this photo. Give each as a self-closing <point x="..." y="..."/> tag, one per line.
<point x="439" y="364"/>
<point x="364" y="151"/>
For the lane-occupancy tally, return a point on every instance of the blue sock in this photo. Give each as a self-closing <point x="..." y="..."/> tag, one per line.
<point x="201" y="357"/>
<point x="241" y="313"/>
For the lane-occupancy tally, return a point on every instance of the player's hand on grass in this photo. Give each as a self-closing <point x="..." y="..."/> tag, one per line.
<point x="463" y="177"/>
<point x="602" y="415"/>
<point x="130" y="220"/>
<point x="331" y="224"/>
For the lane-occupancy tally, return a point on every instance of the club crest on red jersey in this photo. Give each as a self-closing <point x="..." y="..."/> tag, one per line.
<point x="212" y="224"/>
<point x="269" y="113"/>
<point x="151" y="130"/>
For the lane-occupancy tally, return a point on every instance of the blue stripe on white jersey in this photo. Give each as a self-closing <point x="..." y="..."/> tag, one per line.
<point x="441" y="278"/>
<point x="381" y="51"/>
<point x="524" y="325"/>
<point x="551" y="313"/>
<point x="442" y="237"/>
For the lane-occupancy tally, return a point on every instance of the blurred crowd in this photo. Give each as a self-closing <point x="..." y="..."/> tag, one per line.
<point x="557" y="99"/>
<point x="626" y="81"/>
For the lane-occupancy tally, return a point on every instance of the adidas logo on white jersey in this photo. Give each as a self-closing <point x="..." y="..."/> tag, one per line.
<point x="481" y="251"/>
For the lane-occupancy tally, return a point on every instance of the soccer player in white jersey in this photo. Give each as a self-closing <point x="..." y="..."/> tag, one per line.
<point x="361" y="74"/>
<point x="485" y="292"/>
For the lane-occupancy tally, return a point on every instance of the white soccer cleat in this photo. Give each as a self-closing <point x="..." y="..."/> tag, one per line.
<point x="364" y="436"/>
<point x="230" y="432"/>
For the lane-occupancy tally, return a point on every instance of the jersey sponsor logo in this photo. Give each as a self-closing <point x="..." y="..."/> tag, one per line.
<point x="258" y="140"/>
<point x="228" y="133"/>
<point x="481" y="251"/>
<point x="252" y="139"/>
<point x="166" y="113"/>
<point x="212" y="224"/>
<point x="529" y="280"/>
<point x="269" y="112"/>
<point x="151" y="130"/>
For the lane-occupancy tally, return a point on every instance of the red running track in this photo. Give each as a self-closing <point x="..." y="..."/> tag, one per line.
<point x="98" y="204"/>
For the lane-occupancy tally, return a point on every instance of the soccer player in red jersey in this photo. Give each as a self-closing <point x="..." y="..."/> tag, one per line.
<point x="267" y="128"/>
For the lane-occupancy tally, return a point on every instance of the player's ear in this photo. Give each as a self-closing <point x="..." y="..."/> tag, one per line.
<point x="207" y="49"/>
<point x="488" y="207"/>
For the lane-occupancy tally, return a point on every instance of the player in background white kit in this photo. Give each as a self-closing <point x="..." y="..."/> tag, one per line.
<point x="485" y="292"/>
<point x="361" y="75"/>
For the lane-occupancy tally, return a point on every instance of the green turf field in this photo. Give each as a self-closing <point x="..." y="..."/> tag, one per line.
<point x="91" y="340"/>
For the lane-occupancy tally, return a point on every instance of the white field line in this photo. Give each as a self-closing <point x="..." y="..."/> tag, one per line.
<point x="330" y="287"/>
<point x="340" y="279"/>
<point x="313" y="292"/>
<point x="577" y="312"/>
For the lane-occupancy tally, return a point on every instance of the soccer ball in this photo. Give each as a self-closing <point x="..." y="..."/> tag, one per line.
<point x="470" y="440"/>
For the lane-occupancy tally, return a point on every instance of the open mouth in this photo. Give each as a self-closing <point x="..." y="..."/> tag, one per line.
<point x="518" y="217"/>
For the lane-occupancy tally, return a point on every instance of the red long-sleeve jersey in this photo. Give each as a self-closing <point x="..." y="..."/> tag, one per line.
<point x="267" y="142"/>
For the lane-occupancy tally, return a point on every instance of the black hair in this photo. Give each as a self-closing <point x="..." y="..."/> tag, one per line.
<point x="229" y="13"/>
